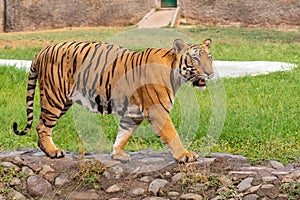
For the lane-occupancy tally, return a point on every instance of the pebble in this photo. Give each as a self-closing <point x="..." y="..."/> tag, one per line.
<point x="61" y="180"/>
<point x="251" y="197"/>
<point x="17" y="195"/>
<point x="146" y="179"/>
<point x="190" y="196"/>
<point x="244" y="184"/>
<point x="156" y="185"/>
<point x="177" y="177"/>
<point x="173" y="195"/>
<point x="15" y="181"/>
<point x="10" y="165"/>
<point x="277" y="165"/>
<point x="38" y="186"/>
<point x="268" y="190"/>
<point x="112" y="189"/>
<point x="26" y="170"/>
<point x="136" y="191"/>
<point x="90" y="194"/>
<point x="269" y="178"/>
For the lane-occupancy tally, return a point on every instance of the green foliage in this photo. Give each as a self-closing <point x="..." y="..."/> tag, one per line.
<point x="292" y="189"/>
<point x="89" y="174"/>
<point x="262" y="112"/>
<point x="7" y="175"/>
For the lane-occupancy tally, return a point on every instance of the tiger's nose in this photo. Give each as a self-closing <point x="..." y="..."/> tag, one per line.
<point x="209" y="74"/>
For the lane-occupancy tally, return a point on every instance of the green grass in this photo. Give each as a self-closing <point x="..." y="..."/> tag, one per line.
<point x="262" y="112"/>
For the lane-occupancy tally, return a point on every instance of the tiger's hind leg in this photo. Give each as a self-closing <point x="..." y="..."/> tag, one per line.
<point x="126" y="128"/>
<point x="48" y="118"/>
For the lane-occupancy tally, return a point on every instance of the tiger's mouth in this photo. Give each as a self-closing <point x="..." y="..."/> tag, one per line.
<point x="200" y="84"/>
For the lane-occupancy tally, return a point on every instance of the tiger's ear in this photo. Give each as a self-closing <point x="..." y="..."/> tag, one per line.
<point x="179" y="46"/>
<point x="207" y="43"/>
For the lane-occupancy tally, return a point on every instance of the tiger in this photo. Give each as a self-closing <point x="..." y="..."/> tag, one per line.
<point x="110" y="79"/>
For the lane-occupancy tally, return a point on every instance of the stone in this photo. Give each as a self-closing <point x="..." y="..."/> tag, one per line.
<point x="156" y="185"/>
<point x="225" y="180"/>
<point x="256" y="168"/>
<point x="117" y="169"/>
<point x="10" y="165"/>
<point x="177" y="177"/>
<point x="15" y="181"/>
<point x="38" y="186"/>
<point x="253" y="189"/>
<point x="190" y="196"/>
<point x="242" y="174"/>
<point x="218" y="197"/>
<point x="90" y="194"/>
<point x="268" y="179"/>
<point x="282" y="197"/>
<point x="244" y="184"/>
<point x="146" y="179"/>
<point x="17" y="195"/>
<point x="251" y="197"/>
<point x="46" y="169"/>
<point x="268" y="190"/>
<point x="112" y="189"/>
<point x="173" y="195"/>
<point x="277" y="165"/>
<point x="257" y="180"/>
<point x="61" y="180"/>
<point x="136" y="191"/>
<point x="154" y="198"/>
<point x="26" y="170"/>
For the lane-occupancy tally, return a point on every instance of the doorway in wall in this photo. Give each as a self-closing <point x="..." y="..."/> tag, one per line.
<point x="168" y="3"/>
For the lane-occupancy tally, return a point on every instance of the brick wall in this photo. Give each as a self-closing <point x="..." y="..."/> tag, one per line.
<point x="265" y="13"/>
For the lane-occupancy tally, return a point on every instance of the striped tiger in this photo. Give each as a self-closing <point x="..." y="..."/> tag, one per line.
<point x="110" y="79"/>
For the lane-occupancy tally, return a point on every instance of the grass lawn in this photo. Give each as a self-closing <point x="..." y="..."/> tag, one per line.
<point x="262" y="112"/>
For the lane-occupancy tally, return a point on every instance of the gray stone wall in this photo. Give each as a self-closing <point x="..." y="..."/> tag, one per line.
<point x="265" y="13"/>
<point x="21" y="15"/>
<point x="45" y="14"/>
<point x="2" y="18"/>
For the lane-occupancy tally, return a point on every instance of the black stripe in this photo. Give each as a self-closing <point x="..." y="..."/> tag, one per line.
<point x="161" y="103"/>
<point x="29" y="98"/>
<point x="167" y="53"/>
<point x="52" y="102"/>
<point x="114" y="65"/>
<point x="98" y="60"/>
<point x="86" y="54"/>
<point x="84" y="46"/>
<point x="31" y="86"/>
<point x="157" y="51"/>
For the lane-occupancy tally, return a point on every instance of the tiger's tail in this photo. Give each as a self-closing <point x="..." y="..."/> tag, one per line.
<point x="32" y="78"/>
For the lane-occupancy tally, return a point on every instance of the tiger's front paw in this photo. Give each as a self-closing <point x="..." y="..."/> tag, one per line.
<point x="57" y="153"/>
<point x="50" y="149"/>
<point x="188" y="157"/>
<point x="121" y="156"/>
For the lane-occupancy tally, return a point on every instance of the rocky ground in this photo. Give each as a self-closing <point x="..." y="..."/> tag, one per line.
<point x="150" y="175"/>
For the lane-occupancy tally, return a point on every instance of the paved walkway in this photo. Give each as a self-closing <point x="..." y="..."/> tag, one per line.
<point x="157" y="19"/>
<point x="222" y="68"/>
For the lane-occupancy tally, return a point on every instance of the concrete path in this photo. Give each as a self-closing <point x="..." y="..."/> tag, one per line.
<point x="158" y="19"/>
<point x="222" y="68"/>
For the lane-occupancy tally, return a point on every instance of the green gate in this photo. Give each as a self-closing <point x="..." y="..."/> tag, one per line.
<point x="168" y="3"/>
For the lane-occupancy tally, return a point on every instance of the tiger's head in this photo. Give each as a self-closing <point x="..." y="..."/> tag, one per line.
<point x="195" y="62"/>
